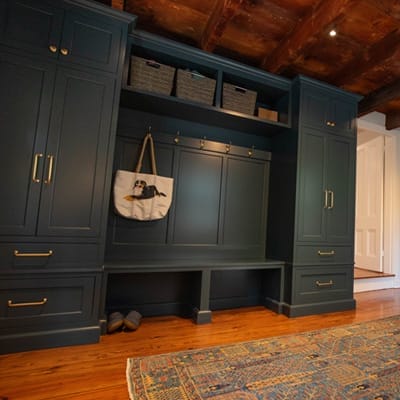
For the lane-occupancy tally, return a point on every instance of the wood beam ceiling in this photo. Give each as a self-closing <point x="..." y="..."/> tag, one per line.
<point x="380" y="97"/>
<point x="305" y="34"/>
<point x="222" y="13"/>
<point x="118" y="4"/>
<point x="392" y="120"/>
<point x="381" y="53"/>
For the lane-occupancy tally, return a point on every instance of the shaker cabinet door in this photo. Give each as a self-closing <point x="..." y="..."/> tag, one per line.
<point x="311" y="224"/>
<point x="341" y="183"/>
<point x="90" y="40"/>
<point x="24" y="116"/>
<point x="326" y="188"/>
<point x="32" y="25"/>
<point x="75" y="163"/>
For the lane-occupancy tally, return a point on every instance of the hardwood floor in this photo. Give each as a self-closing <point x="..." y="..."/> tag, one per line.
<point x="97" y="371"/>
<point x="361" y="273"/>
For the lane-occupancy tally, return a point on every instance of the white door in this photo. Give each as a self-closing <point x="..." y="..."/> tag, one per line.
<point x="369" y="205"/>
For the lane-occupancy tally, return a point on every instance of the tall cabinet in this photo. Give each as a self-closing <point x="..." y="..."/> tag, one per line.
<point x="60" y="73"/>
<point x="313" y="177"/>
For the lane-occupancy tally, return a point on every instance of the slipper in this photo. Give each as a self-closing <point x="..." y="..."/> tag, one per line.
<point x="115" y="321"/>
<point x="132" y="320"/>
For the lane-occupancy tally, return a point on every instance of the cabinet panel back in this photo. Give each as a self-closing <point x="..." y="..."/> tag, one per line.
<point x="245" y="202"/>
<point x="218" y="208"/>
<point x="197" y="198"/>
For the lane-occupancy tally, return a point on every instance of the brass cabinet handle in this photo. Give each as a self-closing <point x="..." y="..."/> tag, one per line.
<point x="35" y="167"/>
<point x="331" y="200"/>
<point x="10" y="303"/>
<point x="331" y="123"/>
<point x="321" y="284"/>
<point x="53" y="48"/>
<point x="326" y="199"/>
<point x="18" y="254"/>
<point x="50" y="170"/>
<point x="64" y="51"/>
<point x="326" y="253"/>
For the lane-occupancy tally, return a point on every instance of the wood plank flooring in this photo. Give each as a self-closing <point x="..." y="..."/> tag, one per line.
<point x="361" y="273"/>
<point x="97" y="371"/>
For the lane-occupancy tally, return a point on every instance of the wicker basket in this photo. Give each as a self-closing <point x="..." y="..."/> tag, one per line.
<point x="151" y="76"/>
<point x="236" y="98"/>
<point x="194" y="86"/>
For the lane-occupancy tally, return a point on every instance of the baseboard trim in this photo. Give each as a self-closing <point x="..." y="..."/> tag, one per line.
<point x="299" y="310"/>
<point x="49" y="339"/>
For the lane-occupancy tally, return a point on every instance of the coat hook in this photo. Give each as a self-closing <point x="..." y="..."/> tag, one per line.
<point x="228" y="147"/>
<point x="202" y="142"/>
<point x="176" y="139"/>
<point x="250" y="152"/>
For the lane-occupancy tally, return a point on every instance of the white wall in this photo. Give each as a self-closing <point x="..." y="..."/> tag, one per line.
<point x="375" y="123"/>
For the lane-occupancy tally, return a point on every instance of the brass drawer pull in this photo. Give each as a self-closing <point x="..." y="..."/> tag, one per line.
<point x="32" y="303"/>
<point x="18" y="254"/>
<point x="326" y="253"/>
<point x="53" y="48"/>
<point x="321" y="284"/>
<point x="64" y="51"/>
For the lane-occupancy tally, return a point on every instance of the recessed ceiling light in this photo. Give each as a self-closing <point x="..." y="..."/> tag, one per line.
<point x="332" y="33"/>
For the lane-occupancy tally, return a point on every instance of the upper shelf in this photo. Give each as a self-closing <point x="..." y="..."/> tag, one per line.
<point x="266" y="93"/>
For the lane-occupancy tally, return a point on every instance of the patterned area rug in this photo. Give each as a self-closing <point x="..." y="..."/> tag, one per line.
<point x="360" y="361"/>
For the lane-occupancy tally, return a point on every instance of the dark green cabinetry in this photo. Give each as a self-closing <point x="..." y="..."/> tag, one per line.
<point x="219" y="202"/>
<point x="63" y="31"/>
<point x="273" y="92"/>
<point x="326" y="187"/>
<point x="318" y="162"/>
<point x="45" y="195"/>
<point x="60" y="71"/>
<point x="329" y="111"/>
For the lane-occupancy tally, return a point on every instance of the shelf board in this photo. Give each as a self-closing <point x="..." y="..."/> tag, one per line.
<point x="196" y="112"/>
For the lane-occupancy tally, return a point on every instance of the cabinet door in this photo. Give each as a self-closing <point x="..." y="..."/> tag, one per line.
<point x="90" y="40"/>
<point x="311" y="219"/>
<point x="344" y="117"/>
<point x="26" y="90"/>
<point x="331" y="112"/>
<point x="315" y="108"/>
<point x="76" y="155"/>
<point x="31" y="25"/>
<point x="341" y="182"/>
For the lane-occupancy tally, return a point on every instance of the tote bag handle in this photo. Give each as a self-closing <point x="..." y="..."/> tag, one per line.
<point x="147" y="138"/>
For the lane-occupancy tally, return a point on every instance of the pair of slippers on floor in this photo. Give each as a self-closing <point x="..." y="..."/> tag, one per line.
<point x="130" y="322"/>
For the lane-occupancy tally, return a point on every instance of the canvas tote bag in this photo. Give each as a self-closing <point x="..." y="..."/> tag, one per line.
<point x="139" y="196"/>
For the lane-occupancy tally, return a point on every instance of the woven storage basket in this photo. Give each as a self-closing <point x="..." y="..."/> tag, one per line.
<point x="151" y="76"/>
<point x="236" y="98"/>
<point x="194" y="86"/>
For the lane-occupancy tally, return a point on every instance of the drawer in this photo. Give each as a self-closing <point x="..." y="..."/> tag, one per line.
<point x="324" y="255"/>
<point x="316" y="284"/>
<point x="20" y="256"/>
<point x="32" y="303"/>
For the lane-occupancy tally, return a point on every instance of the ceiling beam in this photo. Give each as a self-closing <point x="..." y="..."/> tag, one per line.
<point x="393" y="120"/>
<point x="381" y="53"/>
<point x="379" y="98"/>
<point x="223" y="12"/>
<point x="118" y="4"/>
<point x="307" y="31"/>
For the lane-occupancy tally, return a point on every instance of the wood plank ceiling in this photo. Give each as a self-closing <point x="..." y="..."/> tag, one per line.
<point x="290" y="37"/>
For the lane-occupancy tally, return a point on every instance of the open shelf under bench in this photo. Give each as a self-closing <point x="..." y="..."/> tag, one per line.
<point x="198" y="283"/>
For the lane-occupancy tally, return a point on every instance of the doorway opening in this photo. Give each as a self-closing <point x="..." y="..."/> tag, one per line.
<point x="374" y="187"/>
